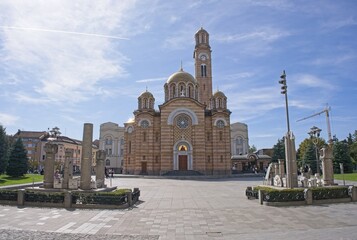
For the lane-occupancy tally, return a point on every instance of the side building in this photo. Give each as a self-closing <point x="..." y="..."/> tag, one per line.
<point x="111" y="140"/>
<point x="34" y="143"/>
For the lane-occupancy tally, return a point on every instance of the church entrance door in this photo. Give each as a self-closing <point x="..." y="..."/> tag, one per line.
<point x="182" y="162"/>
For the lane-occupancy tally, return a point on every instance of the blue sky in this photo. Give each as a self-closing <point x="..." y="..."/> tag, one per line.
<point x="64" y="63"/>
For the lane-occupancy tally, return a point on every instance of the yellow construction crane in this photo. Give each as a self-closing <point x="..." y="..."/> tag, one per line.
<point x="327" y="112"/>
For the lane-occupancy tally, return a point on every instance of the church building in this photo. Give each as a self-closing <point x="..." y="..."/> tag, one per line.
<point x="190" y="132"/>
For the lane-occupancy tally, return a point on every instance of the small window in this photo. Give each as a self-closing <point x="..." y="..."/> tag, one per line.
<point x="220" y="136"/>
<point x="107" y="162"/>
<point x="220" y="124"/>
<point x="144" y="124"/>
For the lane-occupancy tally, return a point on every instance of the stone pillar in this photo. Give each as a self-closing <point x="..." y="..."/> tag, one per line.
<point x="100" y="168"/>
<point x="86" y="162"/>
<point x="290" y="157"/>
<point x="68" y="167"/>
<point x="281" y="168"/>
<point x="327" y="165"/>
<point x="51" y="150"/>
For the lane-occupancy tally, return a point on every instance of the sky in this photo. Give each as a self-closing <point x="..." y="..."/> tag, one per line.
<point x="65" y="63"/>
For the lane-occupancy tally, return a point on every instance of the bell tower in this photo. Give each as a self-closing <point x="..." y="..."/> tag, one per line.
<point x="203" y="66"/>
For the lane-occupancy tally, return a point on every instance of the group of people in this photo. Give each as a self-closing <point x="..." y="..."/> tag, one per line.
<point x="108" y="171"/>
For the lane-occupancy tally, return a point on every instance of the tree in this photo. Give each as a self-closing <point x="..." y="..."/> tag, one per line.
<point x="252" y="149"/>
<point x="303" y="147"/>
<point x="353" y="154"/>
<point x="309" y="157"/>
<point x="18" y="165"/>
<point x="341" y="154"/>
<point x="278" y="150"/>
<point x="4" y="150"/>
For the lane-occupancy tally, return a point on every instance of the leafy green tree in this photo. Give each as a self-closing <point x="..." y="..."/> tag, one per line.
<point x="278" y="150"/>
<point x="309" y="157"/>
<point x="252" y="149"/>
<point x="4" y="150"/>
<point x="341" y="154"/>
<point x="18" y="165"/>
<point x="303" y="147"/>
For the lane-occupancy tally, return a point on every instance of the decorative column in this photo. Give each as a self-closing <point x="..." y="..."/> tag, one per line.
<point x="100" y="168"/>
<point x="68" y="167"/>
<point x="327" y="165"/>
<point x="86" y="162"/>
<point x="290" y="156"/>
<point x="51" y="150"/>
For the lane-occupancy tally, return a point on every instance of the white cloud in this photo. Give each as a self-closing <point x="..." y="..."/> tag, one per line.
<point x="312" y="81"/>
<point x="152" y="79"/>
<point x="65" y="46"/>
<point x="265" y="34"/>
<point x="7" y="119"/>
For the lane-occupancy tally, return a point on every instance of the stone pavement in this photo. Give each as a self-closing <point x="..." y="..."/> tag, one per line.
<point x="184" y="209"/>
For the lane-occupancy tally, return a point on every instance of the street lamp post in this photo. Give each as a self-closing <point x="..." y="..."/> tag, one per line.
<point x="314" y="135"/>
<point x="290" y="152"/>
<point x="284" y="90"/>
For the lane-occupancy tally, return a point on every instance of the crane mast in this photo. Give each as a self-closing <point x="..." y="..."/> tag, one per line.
<point x="327" y="112"/>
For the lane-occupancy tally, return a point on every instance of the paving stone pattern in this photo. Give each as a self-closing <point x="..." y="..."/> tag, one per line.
<point x="184" y="209"/>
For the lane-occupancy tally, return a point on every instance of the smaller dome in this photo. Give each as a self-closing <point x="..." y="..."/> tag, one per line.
<point x="219" y="94"/>
<point x="146" y="94"/>
<point x="181" y="76"/>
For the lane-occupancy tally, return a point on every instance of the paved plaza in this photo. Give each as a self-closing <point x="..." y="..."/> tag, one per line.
<point x="184" y="209"/>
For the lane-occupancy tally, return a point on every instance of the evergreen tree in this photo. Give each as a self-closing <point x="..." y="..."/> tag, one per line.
<point x="18" y="165"/>
<point x="4" y="150"/>
<point x="278" y="150"/>
<point x="309" y="157"/>
<point x="341" y="155"/>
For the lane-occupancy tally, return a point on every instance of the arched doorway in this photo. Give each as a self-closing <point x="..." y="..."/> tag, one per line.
<point x="182" y="156"/>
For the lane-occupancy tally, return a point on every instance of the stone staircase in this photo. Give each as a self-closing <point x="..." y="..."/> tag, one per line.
<point x="183" y="173"/>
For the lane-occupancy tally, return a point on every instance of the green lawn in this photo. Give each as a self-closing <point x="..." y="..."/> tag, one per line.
<point x="28" y="178"/>
<point x="347" y="176"/>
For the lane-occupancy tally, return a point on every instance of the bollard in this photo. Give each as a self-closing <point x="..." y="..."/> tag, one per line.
<point x="261" y="196"/>
<point x="68" y="199"/>
<point x="308" y="196"/>
<point x="352" y="191"/>
<point x="21" y="197"/>
<point x="129" y="196"/>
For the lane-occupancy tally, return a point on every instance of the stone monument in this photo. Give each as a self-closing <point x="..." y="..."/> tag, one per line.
<point x="68" y="167"/>
<point x="327" y="165"/>
<point x="86" y="163"/>
<point x="290" y="156"/>
<point x="100" y="168"/>
<point x="51" y="149"/>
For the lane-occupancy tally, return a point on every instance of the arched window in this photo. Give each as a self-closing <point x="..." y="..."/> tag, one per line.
<point x="107" y="162"/>
<point x="239" y="146"/>
<point x="108" y="141"/>
<point x="203" y="70"/>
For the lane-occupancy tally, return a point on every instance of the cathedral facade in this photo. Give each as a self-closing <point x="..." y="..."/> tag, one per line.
<point x="190" y="131"/>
